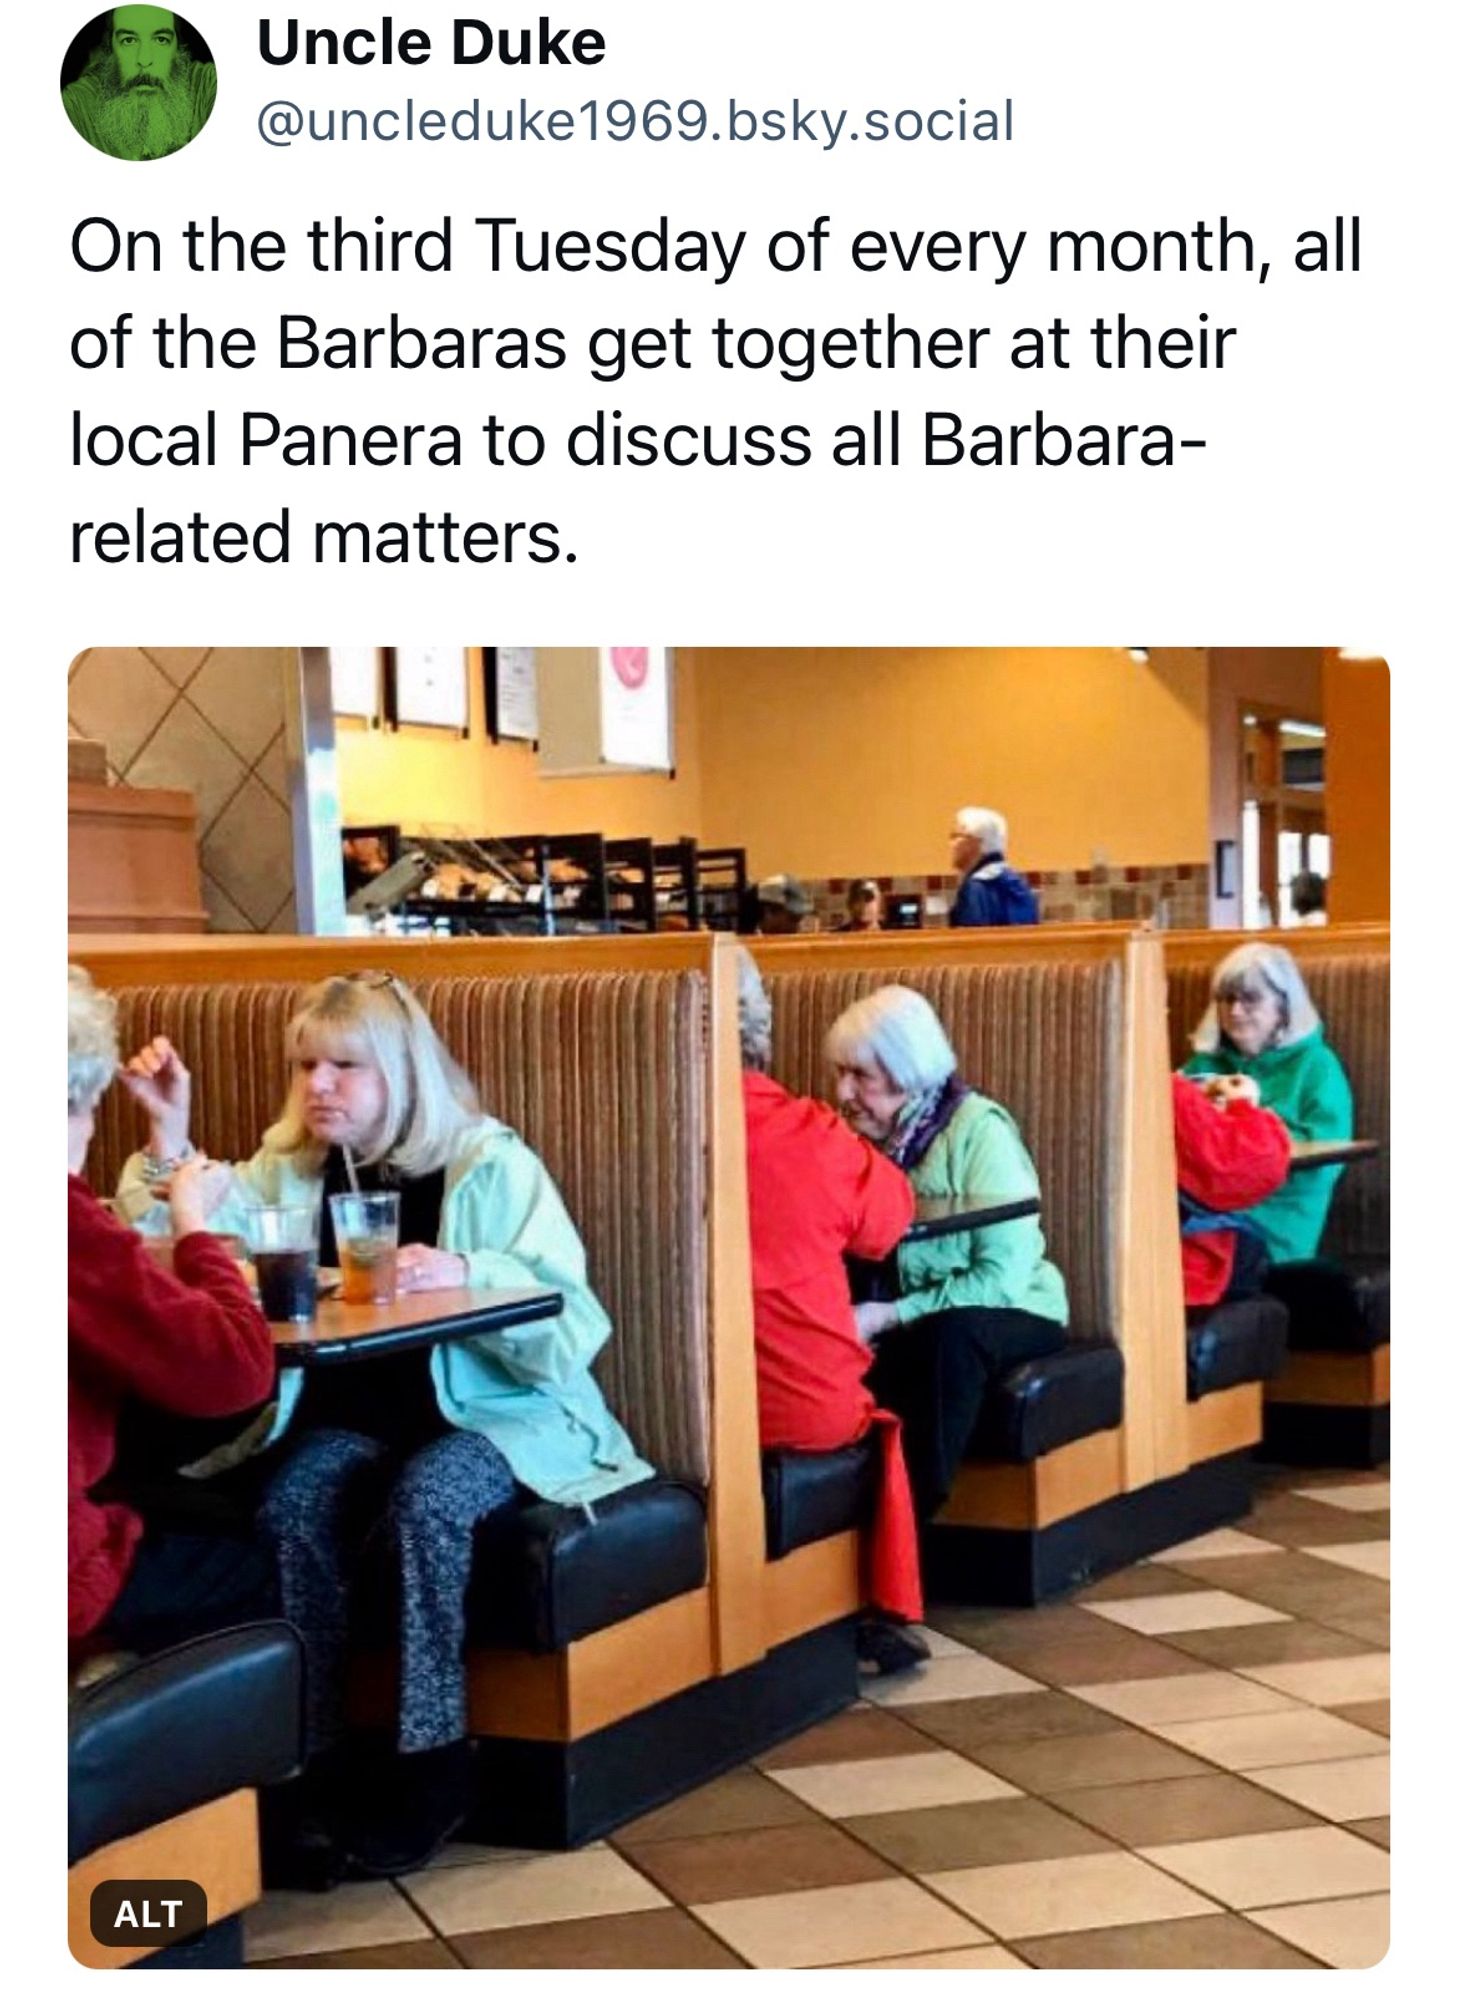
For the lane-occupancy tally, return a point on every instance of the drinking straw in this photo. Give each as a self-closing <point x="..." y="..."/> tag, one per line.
<point x="349" y="1169"/>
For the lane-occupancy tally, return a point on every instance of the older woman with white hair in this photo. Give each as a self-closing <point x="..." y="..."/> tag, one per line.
<point x="1261" y="1035"/>
<point x="188" y="1341"/>
<point x="991" y="891"/>
<point x="410" y="1451"/>
<point x="970" y="1305"/>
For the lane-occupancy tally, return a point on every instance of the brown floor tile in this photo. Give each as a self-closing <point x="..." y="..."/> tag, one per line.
<point x="1323" y="1596"/>
<point x="1266" y="1645"/>
<point x="1306" y="1523"/>
<point x="1367" y="1714"/>
<point x="1373" y="1629"/>
<point x="974" y="1836"/>
<point x="1116" y="1756"/>
<point x="862" y="1732"/>
<point x="1188" y="1943"/>
<point x="962" y="1725"/>
<point x="1144" y="1815"/>
<point x="1378" y="1830"/>
<point x="413" y="1955"/>
<point x="1001" y="1632"/>
<point x="1108" y="1653"/>
<point x="1141" y="1580"/>
<point x="733" y="1804"/>
<point x="644" y="1939"/>
<point x="769" y="1861"/>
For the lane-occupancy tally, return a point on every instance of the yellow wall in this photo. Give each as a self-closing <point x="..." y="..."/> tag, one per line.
<point x="1358" y="787"/>
<point x="837" y="762"/>
<point x="429" y="781"/>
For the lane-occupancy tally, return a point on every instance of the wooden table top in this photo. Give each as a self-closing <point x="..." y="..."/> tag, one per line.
<point x="342" y="1333"/>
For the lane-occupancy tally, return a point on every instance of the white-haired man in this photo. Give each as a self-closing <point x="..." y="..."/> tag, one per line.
<point x="991" y="892"/>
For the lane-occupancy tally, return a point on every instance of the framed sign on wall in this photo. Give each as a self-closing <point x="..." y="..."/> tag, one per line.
<point x="354" y="681"/>
<point x="511" y="708"/>
<point x="427" y="686"/>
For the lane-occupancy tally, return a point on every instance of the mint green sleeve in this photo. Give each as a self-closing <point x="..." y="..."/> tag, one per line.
<point x="508" y="1221"/>
<point x="986" y="1267"/>
<point x="254" y="1181"/>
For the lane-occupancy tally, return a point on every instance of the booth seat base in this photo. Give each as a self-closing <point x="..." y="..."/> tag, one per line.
<point x="217" y="1949"/>
<point x="562" y="1794"/>
<point x="1351" y="1434"/>
<point x="966" y="1564"/>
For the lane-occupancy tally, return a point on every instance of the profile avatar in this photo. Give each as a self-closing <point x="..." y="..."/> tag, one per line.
<point x="138" y="83"/>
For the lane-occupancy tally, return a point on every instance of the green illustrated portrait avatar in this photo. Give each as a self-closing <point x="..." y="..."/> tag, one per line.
<point x="138" y="83"/>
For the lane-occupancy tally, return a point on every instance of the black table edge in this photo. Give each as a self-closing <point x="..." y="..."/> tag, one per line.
<point x="427" y="1333"/>
<point x="973" y="1219"/>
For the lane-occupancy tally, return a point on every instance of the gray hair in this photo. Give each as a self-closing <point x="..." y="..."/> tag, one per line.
<point x="982" y="824"/>
<point x="756" y="1014"/>
<point x="1267" y="965"/>
<point x="898" y="1028"/>
<point x="91" y="1050"/>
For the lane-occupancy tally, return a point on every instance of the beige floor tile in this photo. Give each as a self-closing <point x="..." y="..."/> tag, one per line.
<point x="1351" y="1932"/>
<point x="1329" y="1683"/>
<point x="548" y="1888"/>
<point x="1188" y="1611"/>
<point x="290" y="1922"/>
<point x="1340" y="1788"/>
<point x="1183" y="1698"/>
<point x="959" y="1676"/>
<point x="1253" y="1742"/>
<point x="892" y="1784"/>
<point x="1221" y="1542"/>
<point x="839" y="1926"/>
<point x="1370" y="1558"/>
<point x="975" y="1958"/>
<point x="1372" y="1496"/>
<point x="1078" y="1892"/>
<point x="1252" y="1871"/>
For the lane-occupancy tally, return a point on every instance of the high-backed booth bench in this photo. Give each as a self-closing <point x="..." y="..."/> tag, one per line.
<point x="1331" y="1403"/>
<point x="629" y="1656"/>
<point x="1135" y="1437"/>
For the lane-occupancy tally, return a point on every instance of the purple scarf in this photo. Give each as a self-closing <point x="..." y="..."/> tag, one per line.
<point x="911" y="1142"/>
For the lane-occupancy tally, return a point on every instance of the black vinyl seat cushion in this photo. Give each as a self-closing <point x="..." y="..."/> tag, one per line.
<point x="1335" y="1308"/>
<point x="1237" y="1341"/>
<point x="1039" y="1405"/>
<point x="182" y="1727"/>
<point x="545" y="1574"/>
<point x="811" y="1494"/>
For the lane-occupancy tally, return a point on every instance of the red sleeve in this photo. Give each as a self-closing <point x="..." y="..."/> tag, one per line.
<point x="883" y="1202"/>
<point x="1227" y="1159"/>
<point x="193" y="1343"/>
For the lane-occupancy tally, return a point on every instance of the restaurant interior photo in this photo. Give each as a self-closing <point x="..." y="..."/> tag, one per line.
<point x="729" y="1308"/>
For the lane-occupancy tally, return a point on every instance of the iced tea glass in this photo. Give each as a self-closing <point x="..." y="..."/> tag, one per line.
<point x="367" y="1235"/>
<point x="284" y="1243"/>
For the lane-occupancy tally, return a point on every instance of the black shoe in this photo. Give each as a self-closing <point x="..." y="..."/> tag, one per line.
<point x="297" y="1846"/>
<point x="884" y="1647"/>
<point x="422" y="1801"/>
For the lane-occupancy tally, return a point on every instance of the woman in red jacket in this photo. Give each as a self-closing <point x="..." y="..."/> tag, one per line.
<point x="190" y="1342"/>
<point x="1229" y="1154"/>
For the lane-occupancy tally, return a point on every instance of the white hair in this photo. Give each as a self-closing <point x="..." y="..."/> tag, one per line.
<point x="982" y="824"/>
<point x="374" y="1017"/>
<point x="756" y="1013"/>
<point x="1259" y="965"/>
<point x="91" y="1051"/>
<point x="898" y="1028"/>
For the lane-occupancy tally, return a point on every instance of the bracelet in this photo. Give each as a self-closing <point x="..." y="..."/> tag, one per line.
<point x="154" y="1170"/>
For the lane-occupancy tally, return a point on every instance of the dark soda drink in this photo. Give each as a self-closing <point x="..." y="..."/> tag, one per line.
<point x="288" y="1283"/>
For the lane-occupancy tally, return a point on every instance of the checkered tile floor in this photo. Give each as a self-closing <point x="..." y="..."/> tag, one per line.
<point x="1186" y="1766"/>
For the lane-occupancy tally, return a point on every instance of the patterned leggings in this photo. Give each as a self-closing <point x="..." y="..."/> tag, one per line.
<point x="323" y="1513"/>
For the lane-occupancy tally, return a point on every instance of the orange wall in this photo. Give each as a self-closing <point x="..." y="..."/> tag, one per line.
<point x="1358" y="787"/>
<point x="837" y="761"/>
<point x="428" y="781"/>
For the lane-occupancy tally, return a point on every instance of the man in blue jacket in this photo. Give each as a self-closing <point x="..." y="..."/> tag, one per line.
<point x="990" y="892"/>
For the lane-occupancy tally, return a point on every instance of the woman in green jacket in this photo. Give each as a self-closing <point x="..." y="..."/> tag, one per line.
<point x="970" y="1306"/>
<point x="1261" y="1023"/>
<point x="409" y="1452"/>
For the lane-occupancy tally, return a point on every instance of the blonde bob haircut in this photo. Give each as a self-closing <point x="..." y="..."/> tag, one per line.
<point x="91" y="1051"/>
<point x="900" y="1029"/>
<point x="372" y="1017"/>
<point x="1252" y="968"/>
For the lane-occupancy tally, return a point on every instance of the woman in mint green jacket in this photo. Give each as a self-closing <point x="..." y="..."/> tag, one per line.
<point x="1262" y="1023"/>
<point x="411" y="1451"/>
<point x="970" y="1306"/>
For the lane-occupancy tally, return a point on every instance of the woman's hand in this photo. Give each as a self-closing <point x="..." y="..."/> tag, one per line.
<point x="195" y="1191"/>
<point x="423" y="1269"/>
<point x="1235" y="1088"/>
<point x="875" y="1317"/>
<point x="156" y="1080"/>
